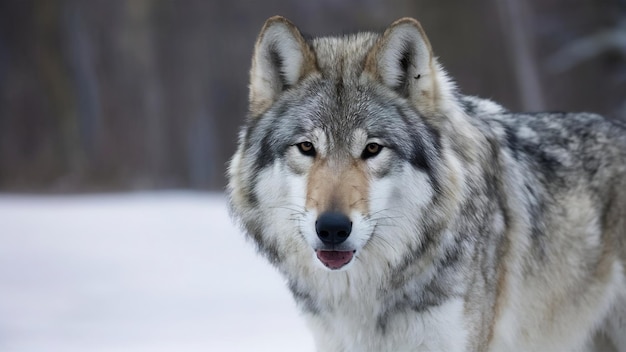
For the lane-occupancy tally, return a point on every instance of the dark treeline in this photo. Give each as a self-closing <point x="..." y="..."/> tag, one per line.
<point x="146" y="94"/>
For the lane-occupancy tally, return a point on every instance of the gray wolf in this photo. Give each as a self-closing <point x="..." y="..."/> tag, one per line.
<point x="406" y="216"/>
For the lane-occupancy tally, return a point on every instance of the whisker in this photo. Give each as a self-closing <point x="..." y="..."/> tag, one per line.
<point x="294" y="208"/>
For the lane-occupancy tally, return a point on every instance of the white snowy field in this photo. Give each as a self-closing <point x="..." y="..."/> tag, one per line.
<point x="137" y="272"/>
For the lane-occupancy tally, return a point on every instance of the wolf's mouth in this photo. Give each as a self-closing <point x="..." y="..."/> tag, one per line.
<point x="334" y="259"/>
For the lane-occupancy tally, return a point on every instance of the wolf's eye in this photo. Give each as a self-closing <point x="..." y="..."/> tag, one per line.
<point x="306" y="148"/>
<point x="371" y="150"/>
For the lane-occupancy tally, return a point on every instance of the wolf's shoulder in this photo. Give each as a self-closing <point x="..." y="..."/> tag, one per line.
<point x="560" y="128"/>
<point x="559" y="144"/>
<point x="545" y="125"/>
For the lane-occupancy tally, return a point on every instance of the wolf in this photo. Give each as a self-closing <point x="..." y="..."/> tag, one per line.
<point x="406" y="216"/>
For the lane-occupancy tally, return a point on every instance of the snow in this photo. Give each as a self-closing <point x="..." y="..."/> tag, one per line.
<point x="137" y="272"/>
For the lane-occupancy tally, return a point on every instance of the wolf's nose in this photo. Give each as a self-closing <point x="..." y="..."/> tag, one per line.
<point x="333" y="227"/>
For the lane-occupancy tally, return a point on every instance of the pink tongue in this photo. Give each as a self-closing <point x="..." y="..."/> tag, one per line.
<point x="334" y="259"/>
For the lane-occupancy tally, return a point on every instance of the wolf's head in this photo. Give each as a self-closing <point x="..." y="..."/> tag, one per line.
<point x="343" y="159"/>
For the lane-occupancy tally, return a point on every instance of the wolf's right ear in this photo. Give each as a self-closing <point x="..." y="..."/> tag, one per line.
<point x="281" y="59"/>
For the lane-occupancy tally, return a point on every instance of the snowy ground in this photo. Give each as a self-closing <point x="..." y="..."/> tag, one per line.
<point x="136" y="272"/>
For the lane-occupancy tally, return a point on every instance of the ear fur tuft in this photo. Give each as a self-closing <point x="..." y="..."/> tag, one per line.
<point x="403" y="60"/>
<point x="281" y="59"/>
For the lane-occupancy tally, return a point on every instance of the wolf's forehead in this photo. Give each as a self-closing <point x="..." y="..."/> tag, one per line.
<point x="340" y="108"/>
<point x="343" y="56"/>
<point x="344" y="143"/>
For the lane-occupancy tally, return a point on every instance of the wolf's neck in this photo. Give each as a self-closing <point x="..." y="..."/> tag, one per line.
<point x="374" y="294"/>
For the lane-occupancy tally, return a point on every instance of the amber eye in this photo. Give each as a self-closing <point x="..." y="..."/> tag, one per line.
<point x="371" y="150"/>
<point x="306" y="148"/>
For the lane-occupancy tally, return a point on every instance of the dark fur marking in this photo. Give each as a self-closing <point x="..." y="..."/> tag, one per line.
<point x="538" y="200"/>
<point x="270" y="250"/>
<point x="512" y="142"/>
<point x="431" y="232"/>
<point x="339" y="89"/>
<point x="406" y="61"/>
<point x="273" y="143"/>
<point x="265" y="154"/>
<point x="548" y="163"/>
<point x="452" y="255"/>
<point x="468" y="106"/>
<point x="419" y="300"/>
<point x="278" y="62"/>
<point x="304" y="299"/>
<point x="538" y="205"/>
<point x="538" y="212"/>
<point x="251" y="145"/>
<point x="251" y="196"/>
<point x="419" y="155"/>
<point x="425" y="150"/>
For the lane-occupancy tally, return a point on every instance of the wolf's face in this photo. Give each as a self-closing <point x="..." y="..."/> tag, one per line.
<point x="337" y="154"/>
<point x="340" y="165"/>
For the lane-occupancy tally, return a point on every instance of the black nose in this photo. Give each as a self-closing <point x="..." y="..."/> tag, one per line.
<point x="333" y="227"/>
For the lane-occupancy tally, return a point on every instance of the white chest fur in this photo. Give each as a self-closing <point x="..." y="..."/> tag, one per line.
<point x="351" y="328"/>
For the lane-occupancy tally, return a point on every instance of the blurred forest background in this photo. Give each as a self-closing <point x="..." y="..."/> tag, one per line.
<point x="100" y="95"/>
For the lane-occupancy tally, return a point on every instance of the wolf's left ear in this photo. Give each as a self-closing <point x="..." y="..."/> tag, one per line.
<point x="281" y="59"/>
<point x="402" y="59"/>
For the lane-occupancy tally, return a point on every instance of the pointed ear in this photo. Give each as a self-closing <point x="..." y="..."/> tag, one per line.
<point x="402" y="59"/>
<point x="281" y="59"/>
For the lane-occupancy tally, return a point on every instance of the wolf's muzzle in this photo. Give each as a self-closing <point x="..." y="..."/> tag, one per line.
<point x="333" y="227"/>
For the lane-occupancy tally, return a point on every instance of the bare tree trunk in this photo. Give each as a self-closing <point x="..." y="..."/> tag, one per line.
<point x="515" y="22"/>
<point x="80" y="56"/>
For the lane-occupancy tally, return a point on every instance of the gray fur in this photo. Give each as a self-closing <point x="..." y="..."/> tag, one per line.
<point x="524" y="220"/>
